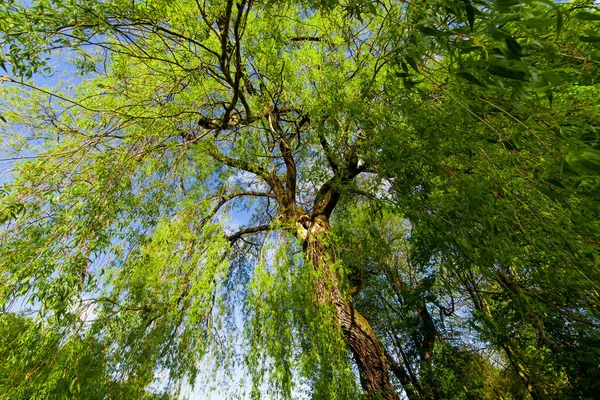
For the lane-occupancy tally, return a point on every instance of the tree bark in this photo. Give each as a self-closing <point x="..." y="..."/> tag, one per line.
<point x="360" y="337"/>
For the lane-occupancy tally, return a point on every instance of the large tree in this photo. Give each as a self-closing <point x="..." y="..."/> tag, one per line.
<point x="393" y="160"/>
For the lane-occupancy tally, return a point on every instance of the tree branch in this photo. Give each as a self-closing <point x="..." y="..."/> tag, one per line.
<point x="225" y="199"/>
<point x="247" y="166"/>
<point x="288" y="158"/>
<point x="400" y="372"/>
<point x="327" y="150"/>
<point x="328" y="195"/>
<point x="509" y="283"/>
<point x="262" y="228"/>
<point x="306" y="38"/>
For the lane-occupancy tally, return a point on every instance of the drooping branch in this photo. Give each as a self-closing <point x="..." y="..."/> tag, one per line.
<point x="506" y="281"/>
<point x="245" y="165"/>
<point x="226" y="198"/>
<point x="178" y="35"/>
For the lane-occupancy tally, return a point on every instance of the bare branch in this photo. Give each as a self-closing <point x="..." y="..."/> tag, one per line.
<point x="261" y="228"/>
<point x="183" y="37"/>
<point x="306" y="38"/>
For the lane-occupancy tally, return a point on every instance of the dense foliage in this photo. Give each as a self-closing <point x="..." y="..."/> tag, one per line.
<point x="338" y="198"/>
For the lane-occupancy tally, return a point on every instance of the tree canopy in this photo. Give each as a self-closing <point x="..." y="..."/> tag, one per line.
<point x="342" y="199"/>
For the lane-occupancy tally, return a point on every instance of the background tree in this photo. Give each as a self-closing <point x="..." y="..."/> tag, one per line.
<point x="416" y="174"/>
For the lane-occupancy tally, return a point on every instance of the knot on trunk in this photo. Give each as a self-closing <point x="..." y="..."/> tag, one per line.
<point x="302" y="227"/>
<point x="304" y="221"/>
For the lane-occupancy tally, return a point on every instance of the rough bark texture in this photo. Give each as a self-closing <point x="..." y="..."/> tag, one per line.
<point x="360" y="337"/>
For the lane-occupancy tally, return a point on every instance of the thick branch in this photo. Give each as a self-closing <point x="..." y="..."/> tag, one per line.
<point x="234" y="121"/>
<point x="328" y="195"/>
<point x="262" y="228"/>
<point x="327" y="151"/>
<point x="287" y="155"/>
<point x="225" y="62"/>
<point x="290" y="168"/>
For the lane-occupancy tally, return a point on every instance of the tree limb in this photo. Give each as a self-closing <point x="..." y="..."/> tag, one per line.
<point x="400" y="372"/>
<point x="261" y="228"/>
<point x="327" y="150"/>
<point x="306" y="38"/>
<point x="328" y="195"/>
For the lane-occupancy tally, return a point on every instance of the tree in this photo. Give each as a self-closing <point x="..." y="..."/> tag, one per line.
<point x="392" y="156"/>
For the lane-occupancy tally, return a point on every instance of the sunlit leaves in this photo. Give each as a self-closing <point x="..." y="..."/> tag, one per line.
<point x="474" y="126"/>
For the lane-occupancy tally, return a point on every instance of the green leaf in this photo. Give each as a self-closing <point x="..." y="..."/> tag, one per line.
<point x="470" y="11"/>
<point x="509" y="145"/>
<point x="412" y="63"/>
<point x="494" y="32"/>
<point x="467" y="76"/>
<point x="555" y="182"/>
<point x="592" y="38"/>
<point x="588" y="16"/>
<point x="429" y="30"/>
<point x="513" y="46"/>
<point x="552" y="5"/>
<point x="505" y="72"/>
<point x="505" y="4"/>
<point x="584" y="161"/>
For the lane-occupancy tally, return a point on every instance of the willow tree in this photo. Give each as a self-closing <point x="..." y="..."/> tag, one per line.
<point x="303" y="115"/>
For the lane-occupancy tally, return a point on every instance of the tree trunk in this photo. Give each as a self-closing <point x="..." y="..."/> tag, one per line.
<point x="360" y="337"/>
